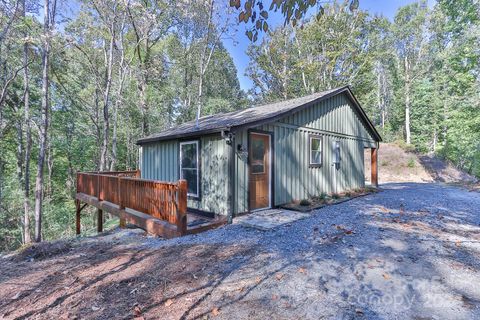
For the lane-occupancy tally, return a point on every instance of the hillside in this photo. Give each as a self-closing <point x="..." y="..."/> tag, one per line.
<point x="398" y="165"/>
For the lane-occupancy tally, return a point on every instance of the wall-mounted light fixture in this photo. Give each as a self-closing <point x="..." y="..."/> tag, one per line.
<point x="228" y="136"/>
<point x="337" y="155"/>
<point x="242" y="151"/>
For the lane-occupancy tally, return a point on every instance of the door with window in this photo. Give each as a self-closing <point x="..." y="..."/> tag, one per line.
<point x="260" y="171"/>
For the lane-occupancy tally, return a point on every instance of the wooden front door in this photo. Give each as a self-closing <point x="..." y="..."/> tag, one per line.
<point x="260" y="166"/>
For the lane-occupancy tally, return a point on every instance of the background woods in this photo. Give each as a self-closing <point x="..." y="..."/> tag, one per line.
<point x="80" y="82"/>
<point x="79" y="89"/>
<point x="417" y="76"/>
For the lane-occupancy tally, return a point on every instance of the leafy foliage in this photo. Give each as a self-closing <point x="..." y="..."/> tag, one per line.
<point x="150" y="82"/>
<point x="425" y="62"/>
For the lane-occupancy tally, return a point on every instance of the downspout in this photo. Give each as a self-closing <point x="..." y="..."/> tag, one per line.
<point x="232" y="180"/>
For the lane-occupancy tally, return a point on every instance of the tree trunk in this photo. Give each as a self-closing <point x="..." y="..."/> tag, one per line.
<point x="19" y="153"/>
<point x="106" y="117"/>
<point x="200" y="96"/>
<point x="204" y="61"/>
<point x="44" y="123"/>
<point x="118" y="101"/>
<point x="142" y="87"/>
<point x="379" y="94"/>
<point x="284" y="71"/>
<point x="28" y="148"/>
<point x="407" y="102"/>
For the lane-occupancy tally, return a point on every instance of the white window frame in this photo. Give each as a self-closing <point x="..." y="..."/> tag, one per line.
<point x="197" y="195"/>
<point x="310" y="161"/>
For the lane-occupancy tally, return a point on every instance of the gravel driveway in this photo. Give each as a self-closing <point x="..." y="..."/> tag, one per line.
<point x="411" y="251"/>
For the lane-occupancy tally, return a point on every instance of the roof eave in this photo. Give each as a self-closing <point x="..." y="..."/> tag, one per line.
<point x="192" y="134"/>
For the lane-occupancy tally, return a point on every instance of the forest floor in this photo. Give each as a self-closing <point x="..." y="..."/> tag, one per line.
<point x="410" y="251"/>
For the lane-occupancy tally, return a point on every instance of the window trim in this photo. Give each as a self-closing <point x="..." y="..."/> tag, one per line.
<point x="318" y="137"/>
<point x="197" y="143"/>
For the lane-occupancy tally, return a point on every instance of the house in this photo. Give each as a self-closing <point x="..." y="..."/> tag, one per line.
<point x="265" y="156"/>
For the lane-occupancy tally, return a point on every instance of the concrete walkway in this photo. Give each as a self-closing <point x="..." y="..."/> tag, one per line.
<point x="270" y="219"/>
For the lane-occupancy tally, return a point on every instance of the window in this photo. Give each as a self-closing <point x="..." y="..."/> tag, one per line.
<point x="258" y="159"/>
<point x="316" y="151"/>
<point x="189" y="161"/>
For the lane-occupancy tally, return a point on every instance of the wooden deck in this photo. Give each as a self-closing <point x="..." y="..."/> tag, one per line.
<point x="160" y="208"/>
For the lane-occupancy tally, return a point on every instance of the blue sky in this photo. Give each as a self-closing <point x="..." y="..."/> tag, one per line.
<point x="386" y="8"/>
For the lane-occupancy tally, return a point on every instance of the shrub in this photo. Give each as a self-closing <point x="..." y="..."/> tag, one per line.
<point x="304" y="202"/>
<point x="411" y="163"/>
<point x="407" y="147"/>
<point x="335" y="195"/>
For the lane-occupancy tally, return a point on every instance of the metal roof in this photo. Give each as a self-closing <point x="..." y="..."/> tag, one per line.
<point x="253" y="116"/>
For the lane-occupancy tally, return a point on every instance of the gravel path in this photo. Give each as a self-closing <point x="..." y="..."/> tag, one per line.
<point x="411" y="251"/>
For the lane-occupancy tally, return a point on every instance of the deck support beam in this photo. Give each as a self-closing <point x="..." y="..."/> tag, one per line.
<point x="374" y="167"/>
<point x="79" y="209"/>
<point x="142" y="220"/>
<point x="99" y="220"/>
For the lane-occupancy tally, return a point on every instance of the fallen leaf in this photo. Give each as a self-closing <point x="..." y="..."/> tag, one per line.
<point x="386" y="276"/>
<point x="302" y="270"/>
<point x="215" y="311"/>
<point x="168" y="303"/>
<point x="241" y="289"/>
<point x="274" y="297"/>
<point x="458" y="243"/>
<point x="258" y="280"/>
<point x="279" y="276"/>
<point x="16" y="296"/>
<point x="137" y="311"/>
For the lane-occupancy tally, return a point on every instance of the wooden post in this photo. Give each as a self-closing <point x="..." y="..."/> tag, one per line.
<point x="374" y="167"/>
<point x="99" y="211"/>
<point x="77" y="206"/>
<point x="122" y="223"/>
<point x="182" y="207"/>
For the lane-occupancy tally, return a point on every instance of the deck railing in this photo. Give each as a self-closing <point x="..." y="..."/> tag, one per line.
<point x="166" y="201"/>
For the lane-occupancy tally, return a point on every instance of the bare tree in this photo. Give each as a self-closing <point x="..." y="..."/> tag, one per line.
<point x="48" y="25"/>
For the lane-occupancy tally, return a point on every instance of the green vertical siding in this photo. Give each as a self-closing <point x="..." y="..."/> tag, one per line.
<point x="336" y="115"/>
<point x="160" y="162"/>
<point x="333" y="119"/>
<point x="214" y="176"/>
<point x="241" y="174"/>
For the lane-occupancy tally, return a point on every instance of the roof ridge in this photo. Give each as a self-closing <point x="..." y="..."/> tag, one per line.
<point x="252" y="116"/>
